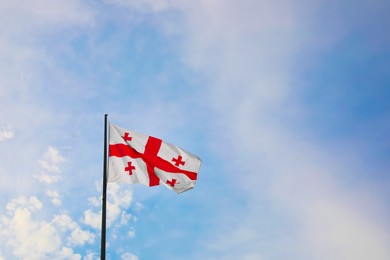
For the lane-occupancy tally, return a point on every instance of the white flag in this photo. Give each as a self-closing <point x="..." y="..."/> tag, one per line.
<point x="138" y="158"/>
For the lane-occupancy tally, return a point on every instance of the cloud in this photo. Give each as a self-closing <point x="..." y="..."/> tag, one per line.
<point x="41" y="14"/>
<point x="80" y="237"/>
<point x="138" y="206"/>
<point x="32" y="203"/>
<point x="131" y="234"/>
<point x="91" y="256"/>
<point x="125" y="217"/>
<point x="47" y="178"/>
<point x="6" y="133"/>
<point x="26" y="236"/>
<point x="24" y="24"/>
<point x="143" y="6"/>
<point x="92" y="219"/>
<point x="117" y="201"/>
<point x="50" y="160"/>
<point x="67" y="253"/>
<point x="55" y="197"/>
<point x="64" y="222"/>
<point x="29" y="64"/>
<point x="349" y="233"/>
<point x="50" y="166"/>
<point x="129" y="256"/>
<point x="94" y="201"/>
<point x="32" y="239"/>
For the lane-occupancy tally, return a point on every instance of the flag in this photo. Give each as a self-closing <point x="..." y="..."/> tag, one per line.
<point x="138" y="158"/>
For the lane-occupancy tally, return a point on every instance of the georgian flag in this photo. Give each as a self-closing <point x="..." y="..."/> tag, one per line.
<point x="138" y="158"/>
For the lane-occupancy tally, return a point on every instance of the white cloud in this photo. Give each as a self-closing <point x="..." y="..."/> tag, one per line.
<point x="64" y="222"/>
<point x="96" y="202"/>
<point x="20" y="52"/>
<point x="24" y="234"/>
<point x="31" y="203"/>
<point x="92" y="219"/>
<point x="91" y="256"/>
<point x="117" y="201"/>
<point x="77" y="237"/>
<point x="27" y="63"/>
<point x="67" y="253"/>
<point x="143" y="6"/>
<point x="131" y="234"/>
<point x="125" y="217"/>
<point x="52" y="156"/>
<point x="30" y="239"/>
<point x="55" y="197"/>
<point x="50" y="160"/>
<point x="118" y="197"/>
<point x="129" y="256"/>
<point x="349" y="233"/>
<point x="6" y="133"/>
<point x="47" y="178"/>
<point x="138" y="206"/>
<point x="50" y="166"/>
<point x="41" y="14"/>
<point x="80" y="237"/>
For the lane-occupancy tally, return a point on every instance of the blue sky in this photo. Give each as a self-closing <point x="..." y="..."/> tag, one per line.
<point x="285" y="102"/>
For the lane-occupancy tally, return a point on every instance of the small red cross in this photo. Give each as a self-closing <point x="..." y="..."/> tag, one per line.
<point x="172" y="182"/>
<point x="178" y="161"/>
<point x="129" y="168"/>
<point x="126" y="137"/>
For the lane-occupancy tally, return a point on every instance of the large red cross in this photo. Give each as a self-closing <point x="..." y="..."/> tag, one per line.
<point x="150" y="158"/>
<point x="178" y="161"/>
<point x="129" y="168"/>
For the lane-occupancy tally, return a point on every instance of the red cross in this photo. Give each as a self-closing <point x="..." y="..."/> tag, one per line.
<point x="126" y="137"/>
<point x="129" y="168"/>
<point x="150" y="158"/>
<point x="178" y="161"/>
<point x="172" y="182"/>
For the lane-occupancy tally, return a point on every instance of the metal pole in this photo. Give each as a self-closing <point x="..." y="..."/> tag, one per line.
<point x="104" y="199"/>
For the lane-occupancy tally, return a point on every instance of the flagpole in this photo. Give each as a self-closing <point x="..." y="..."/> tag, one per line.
<point x="104" y="198"/>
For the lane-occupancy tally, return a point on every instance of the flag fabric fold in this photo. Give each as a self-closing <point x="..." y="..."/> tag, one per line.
<point x="138" y="158"/>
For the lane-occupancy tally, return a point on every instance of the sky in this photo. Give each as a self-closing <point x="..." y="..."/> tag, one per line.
<point x="286" y="103"/>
